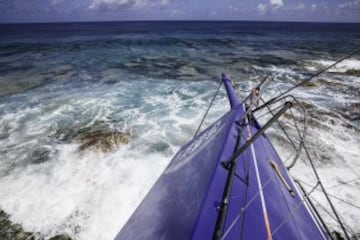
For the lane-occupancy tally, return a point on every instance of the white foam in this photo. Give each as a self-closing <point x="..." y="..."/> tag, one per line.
<point x="91" y="195"/>
<point x="348" y="64"/>
<point x="342" y="165"/>
<point x="96" y="191"/>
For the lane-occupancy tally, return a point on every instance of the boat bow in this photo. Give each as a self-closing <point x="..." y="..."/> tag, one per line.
<point x="187" y="199"/>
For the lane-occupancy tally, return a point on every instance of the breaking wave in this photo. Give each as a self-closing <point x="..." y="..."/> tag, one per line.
<point x="145" y="94"/>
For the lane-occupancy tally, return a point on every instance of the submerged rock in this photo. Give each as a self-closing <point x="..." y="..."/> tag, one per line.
<point x="16" y="84"/>
<point x="307" y="105"/>
<point x="325" y="118"/>
<point x="355" y="107"/>
<point x="98" y="136"/>
<point x="187" y="71"/>
<point x="105" y="141"/>
<point x="316" y="117"/>
<point x="40" y="155"/>
<point x="339" y="236"/>
<point x="9" y="230"/>
<point x="334" y="85"/>
<point x="61" y="237"/>
<point x="353" y="72"/>
<point x="325" y="83"/>
<point x="64" y="72"/>
<point x="14" y="231"/>
<point x="352" y="112"/>
<point x="311" y="84"/>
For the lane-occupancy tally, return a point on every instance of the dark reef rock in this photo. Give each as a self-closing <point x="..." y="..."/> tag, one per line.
<point x="105" y="141"/>
<point x="339" y="236"/>
<point x="15" y="85"/>
<point x="307" y="105"/>
<point x="337" y="85"/>
<point x="353" y="72"/>
<point x="40" y="155"/>
<point x="11" y="231"/>
<point x="355" y="107"/>
<point x="14" y="231"/>
<point x="321" y="118"/>
<point x="352" y="112"/>
<point x="311" y="84"/>
<point x="61" y="237"/>
<point x="332" y="84"/>
<point x="98" y="136"/>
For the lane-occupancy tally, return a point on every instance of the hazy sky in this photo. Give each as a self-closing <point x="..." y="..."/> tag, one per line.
<point x="98" y="10"/>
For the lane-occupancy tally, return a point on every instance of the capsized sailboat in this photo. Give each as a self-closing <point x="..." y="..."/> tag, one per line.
<point x="227" y="183"/>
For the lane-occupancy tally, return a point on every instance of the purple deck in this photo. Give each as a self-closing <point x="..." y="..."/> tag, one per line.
<point x="183" y="202"/>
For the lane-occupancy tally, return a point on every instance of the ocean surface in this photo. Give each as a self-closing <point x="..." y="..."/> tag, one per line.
<point x="151" y="83"/>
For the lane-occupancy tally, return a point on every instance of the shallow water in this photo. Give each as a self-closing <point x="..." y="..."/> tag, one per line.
<point x="155" y="81"/>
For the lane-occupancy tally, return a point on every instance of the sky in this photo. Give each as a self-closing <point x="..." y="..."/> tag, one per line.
<point x="120" y="10"/>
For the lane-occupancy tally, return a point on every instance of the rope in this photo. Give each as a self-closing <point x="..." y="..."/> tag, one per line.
<point x="245" y="207"/>
<point x="208" y="109"/>
<point x="259" y="191"/>
<point x="262" y="198"/>
<point x="246" y="168"/>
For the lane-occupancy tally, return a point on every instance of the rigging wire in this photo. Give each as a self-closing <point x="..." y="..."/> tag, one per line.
<point x="231" y="226"/>
<point x="208" y="109"/>
<point x="306" y="150"/>
<point x="269" y="113"/>
<point x="328" y="213"/>
<point x="259" y="183"/>
<point x="344" y="201"/>
<point x="310" y="205"/>
<point x="273" y="100"/>
<point x="301" y="136"/>
<point x="347" y="182"/>
<point x="312" y="76"/>
<point x="325" y="192"/>
<point x="246" y="168"/>
<point x="333" y="196"/>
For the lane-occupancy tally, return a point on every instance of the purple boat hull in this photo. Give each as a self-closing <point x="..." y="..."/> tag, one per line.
<point x="184" y="202"/>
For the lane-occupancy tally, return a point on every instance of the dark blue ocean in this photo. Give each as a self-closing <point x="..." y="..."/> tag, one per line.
<point x="151" y="83"/>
